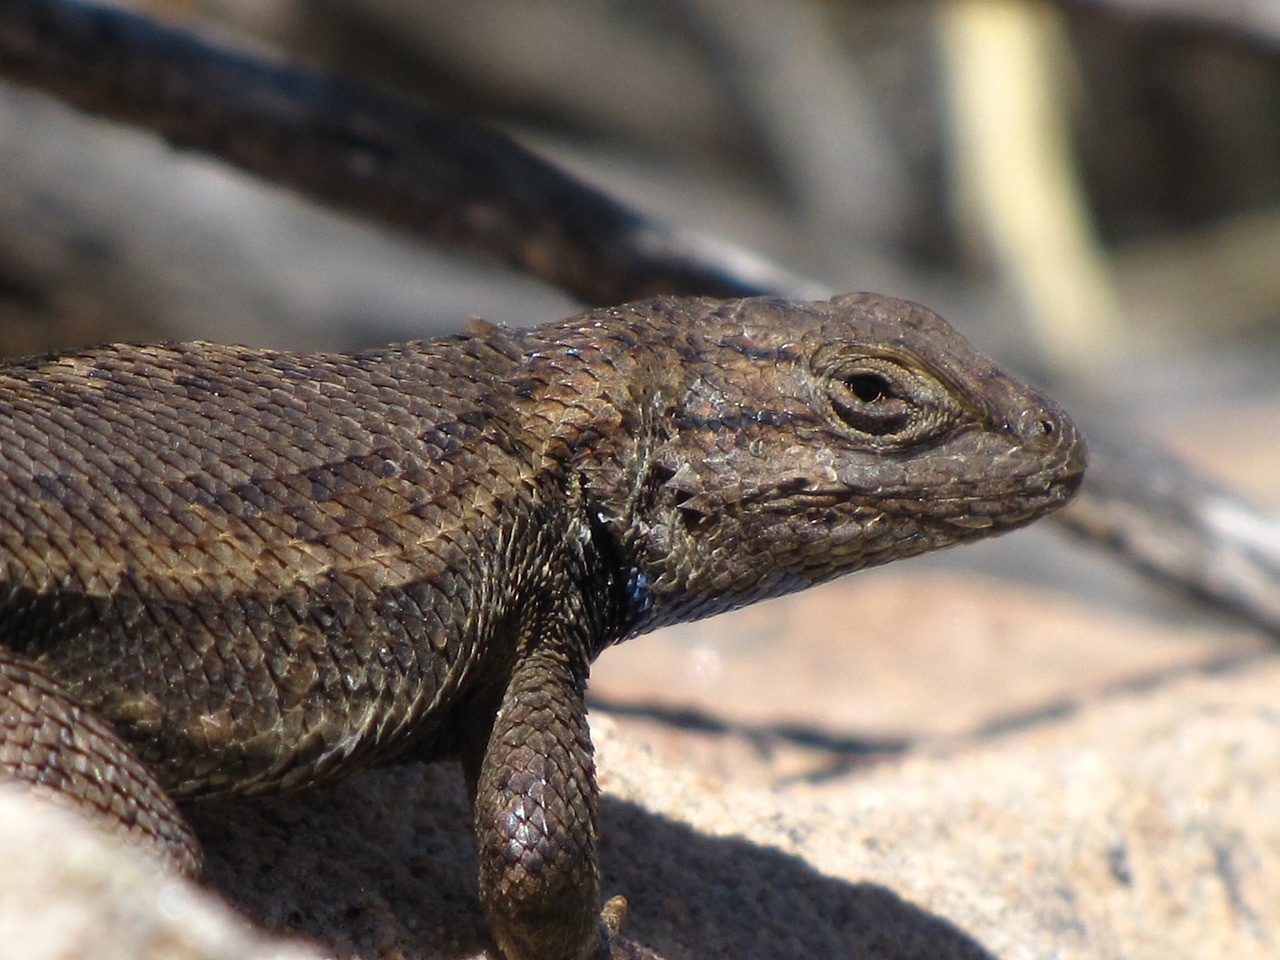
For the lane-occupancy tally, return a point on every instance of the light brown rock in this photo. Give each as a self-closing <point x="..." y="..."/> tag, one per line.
<point x="70" y="893"/>
<point x="1140" y="825"/>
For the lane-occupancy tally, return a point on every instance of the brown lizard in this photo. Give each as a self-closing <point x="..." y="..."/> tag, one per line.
<point x="226" y="569"/>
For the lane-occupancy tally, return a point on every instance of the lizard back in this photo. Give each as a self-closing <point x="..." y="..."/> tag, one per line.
<point x="255" y="563"/>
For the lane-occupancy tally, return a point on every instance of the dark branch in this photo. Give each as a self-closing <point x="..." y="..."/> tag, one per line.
<point x="407" y="164"/>
<point x="1248" y="21"/>
<point x="1157" y="512"/>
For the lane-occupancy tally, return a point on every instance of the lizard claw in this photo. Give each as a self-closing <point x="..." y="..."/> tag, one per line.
<point x="613" y="946"/>
<point x="613" y="915"/>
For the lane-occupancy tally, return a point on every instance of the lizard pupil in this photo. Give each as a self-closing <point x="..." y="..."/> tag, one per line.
<point x="868" y="387"/>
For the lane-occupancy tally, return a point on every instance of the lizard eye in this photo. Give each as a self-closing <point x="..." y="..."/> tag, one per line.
<point x="869" y="400"/>
<point x="884" y="401"/>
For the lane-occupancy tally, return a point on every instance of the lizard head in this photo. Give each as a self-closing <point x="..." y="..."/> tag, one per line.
<point x="771" y="444"/>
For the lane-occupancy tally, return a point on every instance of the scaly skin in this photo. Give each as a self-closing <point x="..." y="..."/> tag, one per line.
<point x="225" y="569"/>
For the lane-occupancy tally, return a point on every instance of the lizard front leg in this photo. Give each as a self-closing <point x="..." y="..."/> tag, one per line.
<point x="54" y="746"/>
<point x="535" y="813"/>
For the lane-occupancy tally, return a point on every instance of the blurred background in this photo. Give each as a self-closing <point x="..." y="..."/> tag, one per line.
<point x="1088" y="190"/>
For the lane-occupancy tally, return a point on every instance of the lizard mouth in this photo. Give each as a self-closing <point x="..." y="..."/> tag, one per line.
<point x="1030" y="495"/>
<point x="972" y="513"/>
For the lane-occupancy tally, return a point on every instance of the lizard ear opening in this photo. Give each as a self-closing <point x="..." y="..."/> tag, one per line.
<point x="695" y="520"/>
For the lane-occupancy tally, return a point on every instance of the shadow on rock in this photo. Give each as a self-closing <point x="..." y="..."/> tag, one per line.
<point x="383" y="865"/>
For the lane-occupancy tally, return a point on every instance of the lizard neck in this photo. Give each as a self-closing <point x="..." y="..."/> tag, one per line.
<point x="594" y="396"/>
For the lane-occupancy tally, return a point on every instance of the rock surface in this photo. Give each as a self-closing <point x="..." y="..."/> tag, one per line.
<point x="67" y="893"/>
<point x="972" y="769"/>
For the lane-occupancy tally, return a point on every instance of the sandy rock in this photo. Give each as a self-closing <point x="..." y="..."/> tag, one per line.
<point x="1126" y="810"/>
<point x="1142" y="827"/>
<point x="70" y="893"/>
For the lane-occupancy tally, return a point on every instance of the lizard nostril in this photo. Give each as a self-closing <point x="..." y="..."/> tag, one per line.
<point x="1036" y="423"/>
